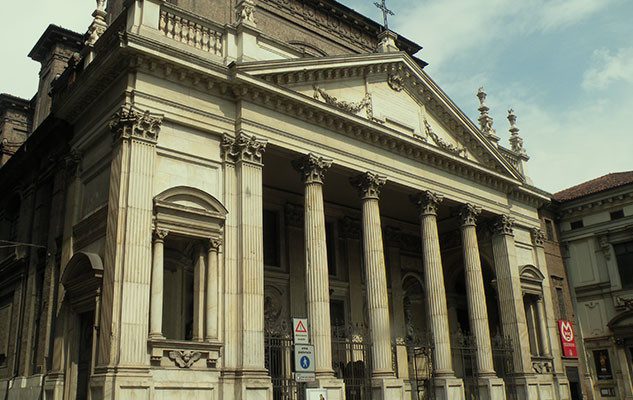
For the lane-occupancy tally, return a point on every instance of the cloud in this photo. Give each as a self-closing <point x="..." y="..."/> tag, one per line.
<point x="572" y="143"/>
<point x="609" y="68"/>
<point x="453" y="28"/>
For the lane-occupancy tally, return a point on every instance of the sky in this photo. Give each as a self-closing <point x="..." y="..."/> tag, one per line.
<point x="564" y="66"/>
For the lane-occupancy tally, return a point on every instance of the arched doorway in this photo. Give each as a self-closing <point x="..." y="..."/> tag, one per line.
<point x="82" y="283"/>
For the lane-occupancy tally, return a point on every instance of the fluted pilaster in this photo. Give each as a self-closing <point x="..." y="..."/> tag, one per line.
<point x="312" y="169"/>
<point x="246" y="153"/>
<point x="156" y="299"/>
<point x="477" y="310"/>
<point x="434" y="279"/>
<point x="128" y="248"/>
<point x="510" y="297"/>
<point x="369" y="185"/>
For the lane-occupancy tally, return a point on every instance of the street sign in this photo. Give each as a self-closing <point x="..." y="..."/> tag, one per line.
<point x="304" y="358"/>
<point x="567" y="339"/>
<point x="305" y="377"/>
<point x="300" y="330"/>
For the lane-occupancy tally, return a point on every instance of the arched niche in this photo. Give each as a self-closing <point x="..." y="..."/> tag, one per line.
<point x="184" y="210"/>
<point x="531" y="280"/>
<point x="82" y="280"/>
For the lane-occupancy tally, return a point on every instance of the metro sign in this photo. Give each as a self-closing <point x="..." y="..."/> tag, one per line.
<point x="567" y="339"/>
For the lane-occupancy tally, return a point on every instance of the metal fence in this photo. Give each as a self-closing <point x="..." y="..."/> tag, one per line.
<point x="351" y="360"/>
<point x="420" y="364"/>
<point x="279" y="362"/>
<point x="464" y="350"/>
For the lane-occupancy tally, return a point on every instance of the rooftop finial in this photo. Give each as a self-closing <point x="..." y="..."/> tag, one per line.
<point x="515" y="140"/>
<point x="485" y="120"/>
<point x="98" y="25"/>
<point x="385" y="13"/>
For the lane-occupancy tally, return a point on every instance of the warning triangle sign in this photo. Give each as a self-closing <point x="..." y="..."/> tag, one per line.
<point x="300" y="328"/>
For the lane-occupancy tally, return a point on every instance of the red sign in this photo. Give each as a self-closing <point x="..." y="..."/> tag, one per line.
<point x="567" y="339"/>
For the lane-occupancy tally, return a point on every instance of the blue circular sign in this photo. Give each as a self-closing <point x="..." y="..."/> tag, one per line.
<point x="305" y="362"/>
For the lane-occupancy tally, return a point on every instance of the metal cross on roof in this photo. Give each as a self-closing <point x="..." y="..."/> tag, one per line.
<point x="385" y="12"/>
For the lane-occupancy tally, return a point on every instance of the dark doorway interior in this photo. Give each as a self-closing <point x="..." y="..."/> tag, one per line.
<point x="574" y="383"/>
<point x="86" y="321"/>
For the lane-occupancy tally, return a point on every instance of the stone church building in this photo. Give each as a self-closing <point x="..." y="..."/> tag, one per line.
<point x="191" y="175"/>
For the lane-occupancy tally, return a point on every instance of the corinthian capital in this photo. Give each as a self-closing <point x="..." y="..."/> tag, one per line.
<point x="312" y="167"/>
<point x="129" y="122"/>
<point x="538" y="238"/>
<point x="468" y="214"/>
<point x="243" y="148"/>
<point x="368" y="184"/>
<point x="427" y="202"/>
<point x="503" y="225"/>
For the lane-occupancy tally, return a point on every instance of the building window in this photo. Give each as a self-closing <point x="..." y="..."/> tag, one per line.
<point x="549" y="229"/>
<point x="577" y="224"/>
<point x="330" y="239"/>
<point x="271" y="238"/>
<point x="562" y="309"/>
<point x="616" y="214"/>
<point x="178" y="288"/>
<point x="624" y="256"/>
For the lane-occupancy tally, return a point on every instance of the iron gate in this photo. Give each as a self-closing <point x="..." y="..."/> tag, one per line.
<point x="465" y="363"/>
<point x="420" y="363"/>
<point x="351" y="360"/>
<point x="279" y="362"/>
<point x="464" y="350"/>
<point x="502" y="353"/>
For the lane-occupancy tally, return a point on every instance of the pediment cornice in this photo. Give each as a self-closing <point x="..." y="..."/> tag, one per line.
<point x="404" y="74"/>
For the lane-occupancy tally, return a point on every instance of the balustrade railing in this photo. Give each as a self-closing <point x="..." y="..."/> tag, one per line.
<point x="190" y="30"/>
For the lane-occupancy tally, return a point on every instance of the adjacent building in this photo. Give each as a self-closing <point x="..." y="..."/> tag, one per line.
<point x="203" y="172"/>
<point x="596" y="234"/>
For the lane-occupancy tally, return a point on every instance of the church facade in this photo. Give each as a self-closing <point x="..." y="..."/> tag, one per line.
<point x="203" y="173"/>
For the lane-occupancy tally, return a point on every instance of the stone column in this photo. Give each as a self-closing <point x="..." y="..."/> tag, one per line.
<point x="198" y="295"/>
<point x="447" y="386"/>
<point x="513" y="320"/>
<point x="477" y="310"/>
<point x="156" y="296"/>
<point x="542" y="328"/>
<point x="312" y="169"/>
<point x="375" y="276"/>
<point x="211" y="308"/>
<point x="434" y="281"/>
<point x="385" y="386"/>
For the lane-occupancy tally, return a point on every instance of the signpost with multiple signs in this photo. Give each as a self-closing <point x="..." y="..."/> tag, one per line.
<point x="304" y="351"/>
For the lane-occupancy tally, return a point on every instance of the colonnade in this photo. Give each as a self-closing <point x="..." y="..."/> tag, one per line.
<point x="312" y="170"/>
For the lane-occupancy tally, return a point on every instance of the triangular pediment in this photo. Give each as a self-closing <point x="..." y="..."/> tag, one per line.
<point x="390" y="90"/>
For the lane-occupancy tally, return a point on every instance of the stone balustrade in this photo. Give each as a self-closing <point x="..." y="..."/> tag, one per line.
<point x="190" y="30"/>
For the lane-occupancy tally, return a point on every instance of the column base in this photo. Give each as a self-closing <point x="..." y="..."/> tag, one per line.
<point x="255" y="387"/>
<point x="387" y="389"/>
<point x="534" y="386"/>
<point x="335" y="387"/>
<point x="54" y="386"/>
<point x="491" y="388"/>
<point x="449" y="388"/>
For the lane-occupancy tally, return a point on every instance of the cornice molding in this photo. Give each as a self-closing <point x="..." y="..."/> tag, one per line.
<point x="231" y="83"/>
